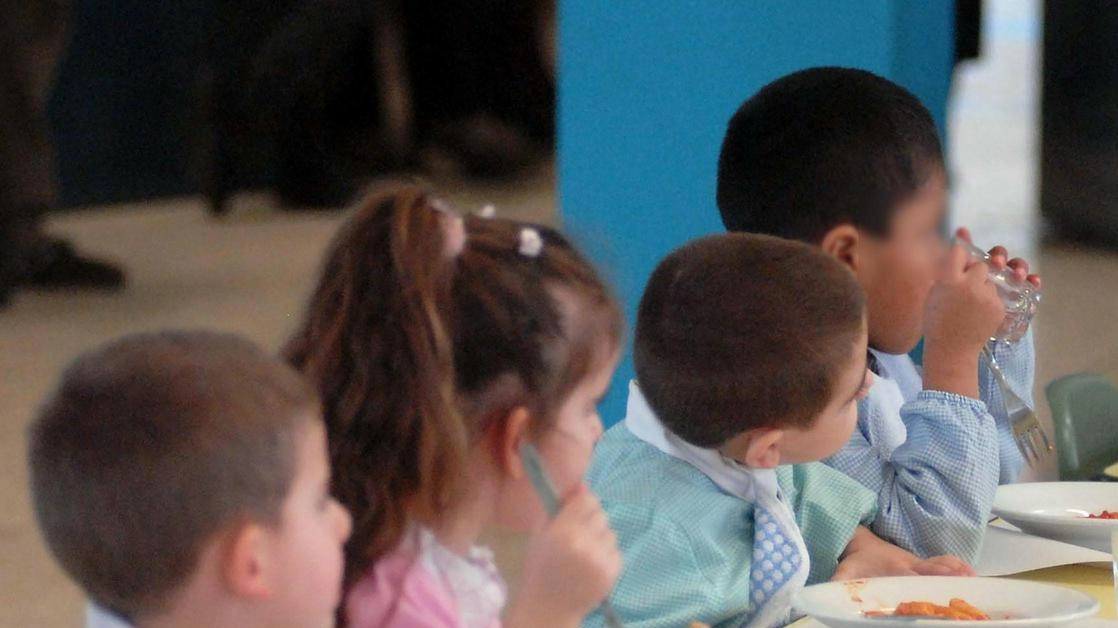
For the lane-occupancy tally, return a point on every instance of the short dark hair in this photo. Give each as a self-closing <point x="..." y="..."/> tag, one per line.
<point x="152" y="444"/>
<point x="739" y="331"/>
<point x="824" y="147"/>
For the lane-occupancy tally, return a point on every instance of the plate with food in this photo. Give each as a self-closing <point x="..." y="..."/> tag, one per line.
<point x="943" y="601"/>
<point x="1082" y="513"/>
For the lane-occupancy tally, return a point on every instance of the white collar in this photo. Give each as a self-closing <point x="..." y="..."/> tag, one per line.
<point x="900" y="368"/>
<point x="752" y="485"/>
<point x="473" y="579"/>
<point x="757" y="486"/>
<point x="97" y="617"/>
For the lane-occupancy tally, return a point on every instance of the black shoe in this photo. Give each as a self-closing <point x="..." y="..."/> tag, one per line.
<point x="9" y="278"/>
<point x="58" y="265"/>
<point x="316" y="197"/>
<point x="16" y="232"/>
<point x="487" y="148"/>
<point x="308" y="181"/>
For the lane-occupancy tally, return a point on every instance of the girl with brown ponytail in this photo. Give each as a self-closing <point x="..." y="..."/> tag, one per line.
<point x="440" y="344"/>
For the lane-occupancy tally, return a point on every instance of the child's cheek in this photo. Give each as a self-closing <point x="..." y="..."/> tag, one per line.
<point x="570" y="468"/>
<point x="568" y="475"/>
<point x="568" y="457"/>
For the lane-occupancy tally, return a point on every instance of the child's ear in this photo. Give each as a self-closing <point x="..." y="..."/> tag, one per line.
<point x="842" y="243"/>
<point x="758" y="448"/>
<point x="505" y="440"/>
<point x="246" y="562"/>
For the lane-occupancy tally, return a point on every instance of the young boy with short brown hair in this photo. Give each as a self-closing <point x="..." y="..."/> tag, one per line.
<point x="181" y="479"/>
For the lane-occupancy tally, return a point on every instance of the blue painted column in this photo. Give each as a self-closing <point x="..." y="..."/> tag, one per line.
<point x="646" y="88"/>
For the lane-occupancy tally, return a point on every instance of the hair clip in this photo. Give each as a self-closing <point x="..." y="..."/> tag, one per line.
<point x="452" y="226"/>
<point x="440" y="206"/>
<point x="454" y="235"/>
<point x="530" y="242"/>
<point x="487" y="211"/>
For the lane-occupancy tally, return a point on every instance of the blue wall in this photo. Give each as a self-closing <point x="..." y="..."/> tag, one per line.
<point x="646" y="88"/>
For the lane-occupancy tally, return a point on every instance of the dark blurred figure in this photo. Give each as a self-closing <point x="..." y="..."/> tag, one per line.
<point x="341" y="90"/>
<point x="1079" y="121"/>
<point x="968" y="29"/>
<point x="32" y="39"/>
<point x="481" y="87"/>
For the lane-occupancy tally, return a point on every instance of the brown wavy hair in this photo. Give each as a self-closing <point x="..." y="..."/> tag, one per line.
<point x="415" y="351"/>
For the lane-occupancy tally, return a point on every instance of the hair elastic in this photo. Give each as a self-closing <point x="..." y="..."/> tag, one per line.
<point x="530" y="242"/>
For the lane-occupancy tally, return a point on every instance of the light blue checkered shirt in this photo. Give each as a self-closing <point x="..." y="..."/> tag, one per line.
<point x="695" y="552"/>
<point x="935" y="459"/>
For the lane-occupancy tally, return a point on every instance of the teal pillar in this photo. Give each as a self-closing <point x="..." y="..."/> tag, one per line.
<point x="646" y="88"/>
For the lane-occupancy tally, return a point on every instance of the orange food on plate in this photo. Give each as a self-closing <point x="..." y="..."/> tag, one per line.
<point x="1106" y="514"/>
<point x="955" y="609"/>
<point x="960" y="604"/>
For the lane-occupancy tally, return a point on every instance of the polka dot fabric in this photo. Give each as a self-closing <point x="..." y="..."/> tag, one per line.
<point x="776" y="558"/>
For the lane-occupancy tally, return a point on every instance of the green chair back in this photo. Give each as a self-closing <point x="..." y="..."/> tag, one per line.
<point x="1085" y="415"/>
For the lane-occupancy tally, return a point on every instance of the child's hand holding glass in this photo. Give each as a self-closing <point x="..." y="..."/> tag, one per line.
<point x="1018" y="289"/>
<point x="961" y="314"/>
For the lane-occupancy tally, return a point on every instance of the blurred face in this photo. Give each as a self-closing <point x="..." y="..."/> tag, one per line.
<point x="307" y="546"/>
<point x="566" y="448"/>
<point x="834" y="425"/>
<point x="898" y="271"/>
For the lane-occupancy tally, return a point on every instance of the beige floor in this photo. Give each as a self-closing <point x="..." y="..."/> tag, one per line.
<point x="250" y="272"/>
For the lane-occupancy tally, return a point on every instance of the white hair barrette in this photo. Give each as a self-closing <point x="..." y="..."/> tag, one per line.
<point x="440" y="206"/>
<point x="452" y="226"/>
<point x="530" y="242"/>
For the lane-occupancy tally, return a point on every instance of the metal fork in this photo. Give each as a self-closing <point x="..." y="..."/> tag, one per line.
<point x="1027" y="431"/>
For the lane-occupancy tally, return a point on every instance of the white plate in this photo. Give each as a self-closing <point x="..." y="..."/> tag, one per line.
<point x="1058" y="510"/>
<point x="1010" y="603"/>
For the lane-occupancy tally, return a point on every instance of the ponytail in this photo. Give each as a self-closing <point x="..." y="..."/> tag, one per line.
<point x="376" y="343"/>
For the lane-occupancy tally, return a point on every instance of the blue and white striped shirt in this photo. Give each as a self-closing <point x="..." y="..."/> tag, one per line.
<point x="935" y="459"/>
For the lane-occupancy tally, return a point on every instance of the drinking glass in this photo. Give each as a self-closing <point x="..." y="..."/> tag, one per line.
<point x="1114" y="562"/>
<point x="1020" y="297"/>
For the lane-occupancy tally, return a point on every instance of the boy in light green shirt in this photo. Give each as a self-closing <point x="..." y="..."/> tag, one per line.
<point x="750" y="354"/>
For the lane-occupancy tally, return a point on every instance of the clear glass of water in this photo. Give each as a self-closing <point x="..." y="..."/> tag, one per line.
<point x="1020" y="297"/>
<point x="1114" y="562"/>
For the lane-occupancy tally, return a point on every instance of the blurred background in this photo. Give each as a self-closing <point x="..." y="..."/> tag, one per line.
<point x="208" y="150"/>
